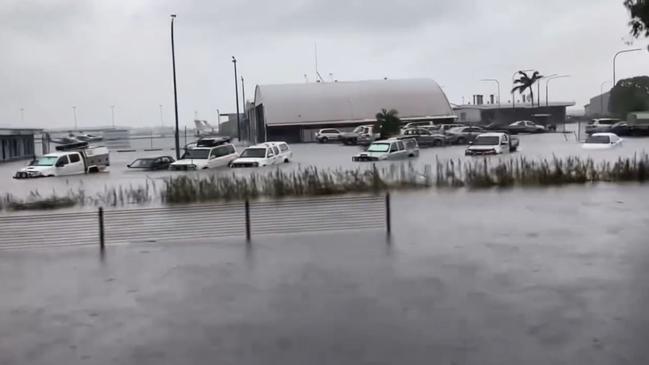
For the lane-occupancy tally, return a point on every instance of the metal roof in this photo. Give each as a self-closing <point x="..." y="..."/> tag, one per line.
<point x="350" y="101"/>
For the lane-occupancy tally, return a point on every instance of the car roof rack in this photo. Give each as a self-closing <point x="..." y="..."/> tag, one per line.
<point x="72" y="146"/>
<point x="212" y="141"/>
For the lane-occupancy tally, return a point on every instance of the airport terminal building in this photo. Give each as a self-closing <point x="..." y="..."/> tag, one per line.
<point x="295" y="112"/>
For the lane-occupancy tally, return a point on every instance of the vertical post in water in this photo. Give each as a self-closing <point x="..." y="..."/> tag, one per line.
<point x="388" y="218"/>
<point x="247" y="220"/>
<point x="101" y="229"/>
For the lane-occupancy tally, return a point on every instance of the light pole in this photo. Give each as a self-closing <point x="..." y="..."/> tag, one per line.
<point x="513" y="94"/>
<point x="619" y="53"/>
<point x="538" y="89"/>
<point x="161" y="119"/>
<point x="243" y="97"/>
<point x="547" y="88"/>
<point x="112" y="114"/>
<point x="497" y="83"/>
<point x="74" y="112"/>
<point x="173" y="62"/>
<point x="236" y="94"/>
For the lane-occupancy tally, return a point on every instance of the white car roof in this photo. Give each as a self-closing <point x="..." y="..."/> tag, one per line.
<point x="603" y="135"/>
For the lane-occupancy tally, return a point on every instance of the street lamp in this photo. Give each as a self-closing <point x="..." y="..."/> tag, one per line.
<point x="173" y="62"/>
<point x="538" y="89"/>
<point x="74" y="112"/>
<point x="513" y="95"/>
<point x="619" y="53"/>
<point x="161" y="119"/>
<point x="236" y="92"/>
<point x="112" y="114"/>
<point x="547" y="88"/>
<point x="498" y="83"/>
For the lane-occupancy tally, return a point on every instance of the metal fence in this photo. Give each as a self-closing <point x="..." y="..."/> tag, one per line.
<point x="194" y="222"/>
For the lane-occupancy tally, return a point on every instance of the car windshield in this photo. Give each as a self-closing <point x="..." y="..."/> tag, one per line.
<point x="142" y="163"/>
<point x="598" y="139"/>
<point x="44" y="161"/>
<point x="196" y="154"/>
<point x="254" y="152"/>
<point x="379" y="147"/>
<point x="486" y="141"/>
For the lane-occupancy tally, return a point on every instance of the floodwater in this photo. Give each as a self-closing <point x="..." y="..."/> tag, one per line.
<point x="524" y="276"/>
<point x="330" y="156"/>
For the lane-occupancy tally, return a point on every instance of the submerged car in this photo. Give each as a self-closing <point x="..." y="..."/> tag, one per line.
<point x="601" y="125"/>
<point x="207" y="153"/>
<point x="389" y="149"/>
<point x="602" y="141"/>
<point x="525" y="126"/>
<point x="463" y="135"/>
<point x="492" y="144"/>
<point x="424" y="137"/>
<point x="152" y="163"/>
<point x="264" y="154"/>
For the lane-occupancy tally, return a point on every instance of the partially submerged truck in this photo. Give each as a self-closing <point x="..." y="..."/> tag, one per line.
<point x="70" y="159"/>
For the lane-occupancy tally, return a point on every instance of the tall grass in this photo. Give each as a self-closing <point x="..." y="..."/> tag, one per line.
<point x="309" y="181"/>
<point x="313" y="181"/>
<point x="485" y="173"/>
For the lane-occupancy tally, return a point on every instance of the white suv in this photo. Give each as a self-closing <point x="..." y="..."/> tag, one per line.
<point x="264" y="154"/>
<point x="326" y="135"/>
<point x="207" y="154"/>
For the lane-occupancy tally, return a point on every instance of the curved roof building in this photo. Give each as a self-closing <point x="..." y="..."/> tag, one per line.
<point x="309" y="106"/>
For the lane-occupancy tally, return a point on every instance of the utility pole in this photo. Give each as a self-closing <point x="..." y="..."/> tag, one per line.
<point x="236" y="93"/>
<point x="173" y="62"/>
<point x="161" y="118"/>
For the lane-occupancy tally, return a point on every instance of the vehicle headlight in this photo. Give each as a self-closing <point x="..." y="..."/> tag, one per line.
<point x="255" y="164"/>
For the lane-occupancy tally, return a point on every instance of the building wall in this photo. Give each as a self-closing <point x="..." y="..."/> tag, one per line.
<point x="510" y="115"/>
<point x="598" y="105"/>
<point x="16" y="147"/>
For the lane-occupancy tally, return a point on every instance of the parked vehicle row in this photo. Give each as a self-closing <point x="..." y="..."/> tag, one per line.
<point x="610" y="125"/>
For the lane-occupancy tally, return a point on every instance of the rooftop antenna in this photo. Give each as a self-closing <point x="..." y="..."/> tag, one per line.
<point x="317" y="73"/>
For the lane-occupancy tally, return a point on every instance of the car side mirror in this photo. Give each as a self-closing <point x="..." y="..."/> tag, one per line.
<point x="129" y="165"/>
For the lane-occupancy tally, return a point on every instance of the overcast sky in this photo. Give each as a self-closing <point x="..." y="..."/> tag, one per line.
<point x="92" y="54"/>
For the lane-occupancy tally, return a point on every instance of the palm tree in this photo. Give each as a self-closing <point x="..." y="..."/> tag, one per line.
<point x="524" y="82"/>
<point x="388" y="123"/>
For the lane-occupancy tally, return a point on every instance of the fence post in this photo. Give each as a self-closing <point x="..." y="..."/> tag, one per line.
<point x="388" y="218"/>
<point x="247" y="220"/>
<point x="101" y="229"/>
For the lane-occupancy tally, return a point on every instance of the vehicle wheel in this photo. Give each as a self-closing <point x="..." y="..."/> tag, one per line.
<point x="461" y="140"/>
<point x="324" y="140"/>
<point x="437" y="143"/>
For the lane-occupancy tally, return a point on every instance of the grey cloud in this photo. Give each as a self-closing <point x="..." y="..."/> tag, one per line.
<point x="43" y="19"/>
